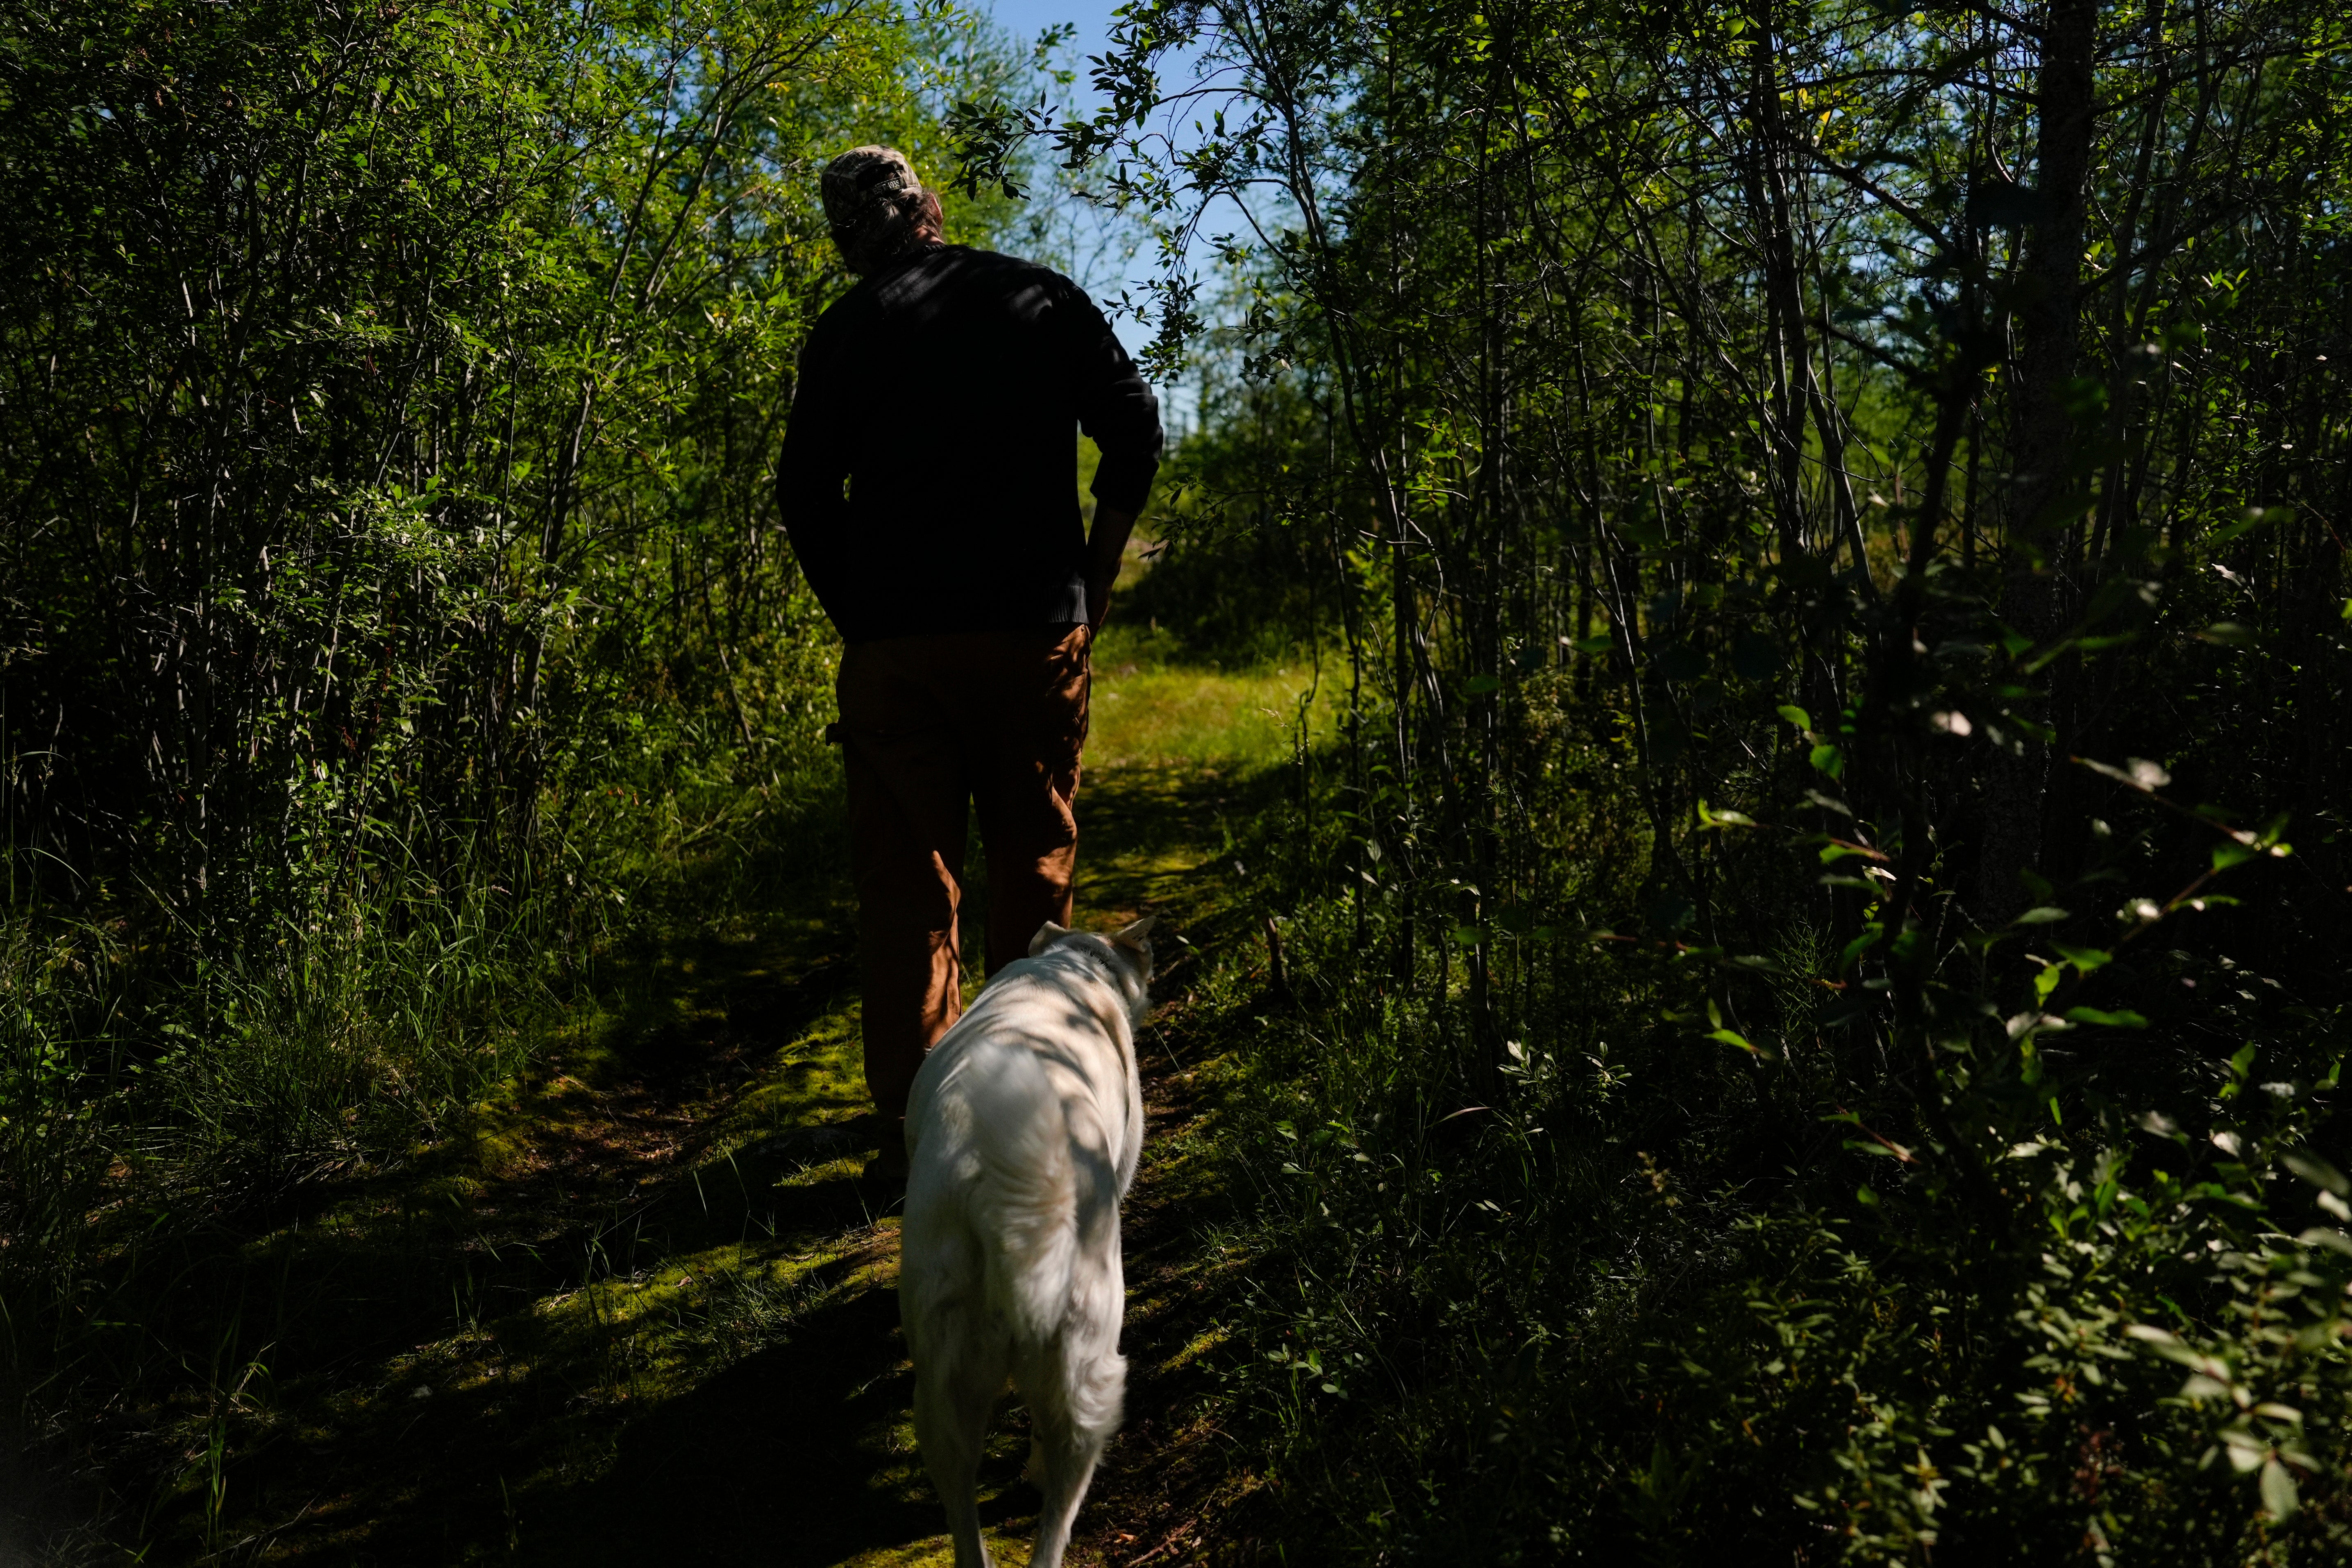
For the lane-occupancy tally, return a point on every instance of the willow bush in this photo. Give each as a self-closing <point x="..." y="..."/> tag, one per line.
<point x="1816" y="1017"/>
<point x="393" y="602"/>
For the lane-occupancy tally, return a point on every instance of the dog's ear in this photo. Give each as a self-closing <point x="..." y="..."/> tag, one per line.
<point x="1138" y="936"/>
<point x="1047" y="936"/>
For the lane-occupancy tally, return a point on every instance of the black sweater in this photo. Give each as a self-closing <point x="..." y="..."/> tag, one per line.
<point x="944" y="388"/>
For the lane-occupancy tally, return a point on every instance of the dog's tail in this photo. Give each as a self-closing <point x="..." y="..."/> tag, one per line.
<point x="1048" y="1204"/>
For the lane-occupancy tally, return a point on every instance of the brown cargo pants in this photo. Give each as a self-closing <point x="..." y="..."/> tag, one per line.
<point x="931" y="726"/>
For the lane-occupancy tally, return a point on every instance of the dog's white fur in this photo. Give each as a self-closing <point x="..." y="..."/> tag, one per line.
<point x="1022" y="1134"/>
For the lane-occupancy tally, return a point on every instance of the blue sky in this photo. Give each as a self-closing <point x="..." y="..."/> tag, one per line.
<point x="1098" y="262"/>
<point x="1098" y="270"/>
<point x="1031" y="18"/>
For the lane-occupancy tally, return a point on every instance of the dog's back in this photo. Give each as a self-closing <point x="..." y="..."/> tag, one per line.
<point x="1023" y="1131"/>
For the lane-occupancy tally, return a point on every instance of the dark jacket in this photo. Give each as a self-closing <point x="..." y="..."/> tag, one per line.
<point x="947" y="389"/>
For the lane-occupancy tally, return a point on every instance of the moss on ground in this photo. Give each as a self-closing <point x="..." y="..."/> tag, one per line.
<point x="644" y="1309"/>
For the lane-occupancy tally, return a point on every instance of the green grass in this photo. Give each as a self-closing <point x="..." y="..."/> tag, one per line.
<point x="636" y="1303"/>
<point x="1151" y="712"/>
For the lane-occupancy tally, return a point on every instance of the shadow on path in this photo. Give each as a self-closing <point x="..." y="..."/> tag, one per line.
<point x="797" y="1455"/>
<point x="650" y="1316"/>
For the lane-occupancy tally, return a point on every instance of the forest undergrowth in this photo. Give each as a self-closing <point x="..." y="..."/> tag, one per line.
<point x="1663" y="1285"/>
<point x="1808" y="1024"/>
<point x="633" y="1297"/>
<point x="1782" y="999"/>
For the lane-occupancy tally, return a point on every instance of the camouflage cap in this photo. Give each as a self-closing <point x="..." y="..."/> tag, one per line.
<point x="872" y="202"/>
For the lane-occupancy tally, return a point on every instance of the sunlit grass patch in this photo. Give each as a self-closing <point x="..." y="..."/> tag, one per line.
<point x="1210" y="1339"/>
<point x="1153" y="712"/>
<point x="820" y="1076"/>
<point x="1009" y="1547"/>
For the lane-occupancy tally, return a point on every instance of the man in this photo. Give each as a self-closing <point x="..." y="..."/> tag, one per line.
<point x="945" y="390"/>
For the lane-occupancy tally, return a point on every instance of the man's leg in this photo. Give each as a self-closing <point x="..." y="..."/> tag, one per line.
<point x="907" y="793"/>
<point x="1026" y="731"/>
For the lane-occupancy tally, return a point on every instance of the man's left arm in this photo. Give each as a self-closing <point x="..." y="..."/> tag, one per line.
<point x="1106" y="553"/>
<point x="1116" y="407"/>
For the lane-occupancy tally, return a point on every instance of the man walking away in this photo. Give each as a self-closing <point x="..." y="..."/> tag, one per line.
<point x="944" y="392"/>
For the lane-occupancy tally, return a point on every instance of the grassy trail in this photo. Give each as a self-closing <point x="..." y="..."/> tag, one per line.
<point x="648" y="1313"/>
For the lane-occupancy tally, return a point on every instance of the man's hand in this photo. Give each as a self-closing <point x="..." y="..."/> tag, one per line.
<point x="1106" y="551"/>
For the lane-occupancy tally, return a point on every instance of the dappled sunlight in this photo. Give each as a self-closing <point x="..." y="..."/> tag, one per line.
<point x="1727" y="706"/>
<point x="1151" y="714"/>
<point x="648" y="1297"/>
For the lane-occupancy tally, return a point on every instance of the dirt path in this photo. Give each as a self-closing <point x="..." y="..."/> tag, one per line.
<point x="650" y="1315"/>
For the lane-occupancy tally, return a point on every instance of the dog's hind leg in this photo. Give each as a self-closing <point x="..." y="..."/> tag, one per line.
<point x="1075" y="1392"/>
<point x="955" y="1394"/>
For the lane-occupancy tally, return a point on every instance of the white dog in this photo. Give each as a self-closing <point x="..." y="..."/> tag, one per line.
<point x="1022" y="1136"/>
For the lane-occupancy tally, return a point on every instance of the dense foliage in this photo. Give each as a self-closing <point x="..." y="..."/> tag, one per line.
<point x="1813" y="1016"/>
<point x="387" y="394"/>
<point x="1801" y="1016"/>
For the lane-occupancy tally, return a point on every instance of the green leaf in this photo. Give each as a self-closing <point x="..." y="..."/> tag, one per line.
<point x="1795" y="715"/>
<point x="2278" y="1490"/>
<point x="2253" y="517"/>
<point x="1828" y="760"/>
<point x="2030" y="727"/>
<point x="2318" y="1173"/>
<point x="2228" y="854"/>
<point x="2042" y="915"/>
<point x="1479" y="684"/>
<point x="2324" y="1236"/>
<point x="1857" y="947"/>
<point x="1600" y="643"/>
<point x="1709" y="817"/>
<point x="2125" y="1019"/>
<point x="2085" y="959"/>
